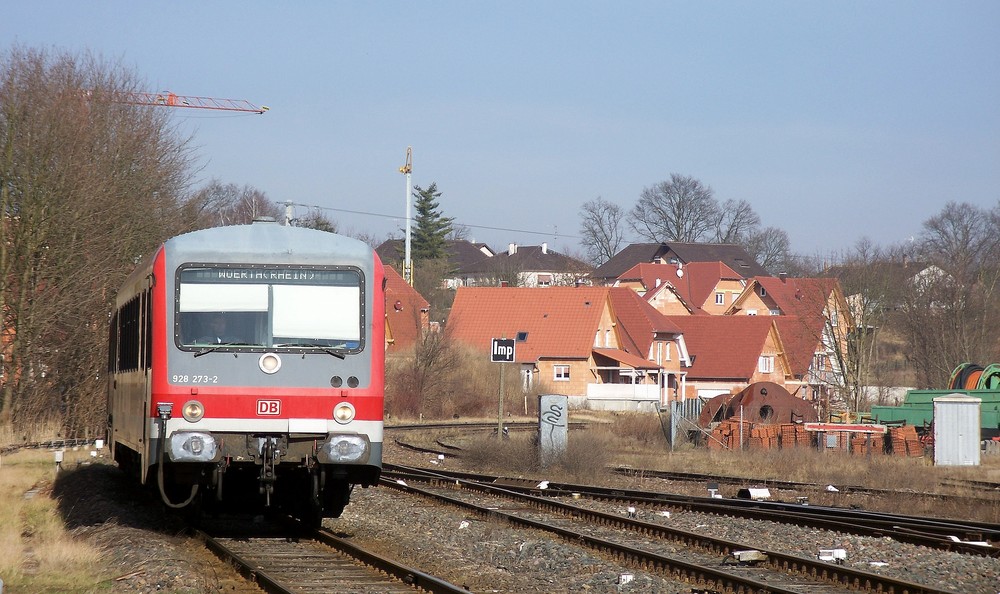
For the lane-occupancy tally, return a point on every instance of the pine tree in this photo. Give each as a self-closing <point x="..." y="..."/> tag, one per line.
<point x="429" y="240"/>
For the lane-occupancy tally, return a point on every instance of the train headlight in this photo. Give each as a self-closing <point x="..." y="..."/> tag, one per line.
<point x="269" y="363"/>
<point x="341" y="449"/>
<point x="193" y="411"/>
<point x="192" y="446"/>
<point x="343" y="413"/>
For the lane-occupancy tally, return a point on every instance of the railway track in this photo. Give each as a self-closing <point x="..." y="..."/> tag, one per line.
<point x="974" y="538"/>
<point x="290" y="558"/>
<point x="806" y="487"/>
<point x="711" y="564"/>
<point x="989" y="488"/>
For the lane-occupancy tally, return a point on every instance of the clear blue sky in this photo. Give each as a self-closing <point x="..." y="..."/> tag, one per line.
<point x="835" y="120"/>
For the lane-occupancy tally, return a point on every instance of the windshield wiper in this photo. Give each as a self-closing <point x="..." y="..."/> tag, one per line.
<point x="310" y="345"/>
<point x="217" y="345"/>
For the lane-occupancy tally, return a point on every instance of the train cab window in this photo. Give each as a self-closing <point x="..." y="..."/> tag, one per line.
<point x="293" y="308"/>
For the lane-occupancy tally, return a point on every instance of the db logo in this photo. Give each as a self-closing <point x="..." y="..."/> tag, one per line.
<point x="268" y="407"/>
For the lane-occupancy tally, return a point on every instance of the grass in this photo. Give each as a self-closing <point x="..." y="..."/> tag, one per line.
<point x="39" y="554"/>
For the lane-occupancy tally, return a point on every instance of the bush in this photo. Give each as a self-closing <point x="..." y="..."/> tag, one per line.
<point x="442" y="379"/>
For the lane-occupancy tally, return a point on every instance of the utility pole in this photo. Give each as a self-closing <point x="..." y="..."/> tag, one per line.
<point x="407" y="169"/>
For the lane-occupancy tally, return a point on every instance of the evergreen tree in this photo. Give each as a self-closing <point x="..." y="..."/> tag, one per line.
<point x="429" y="239"/>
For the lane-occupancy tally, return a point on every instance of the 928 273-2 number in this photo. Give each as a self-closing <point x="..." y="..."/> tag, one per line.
<point x="194" y="379"/>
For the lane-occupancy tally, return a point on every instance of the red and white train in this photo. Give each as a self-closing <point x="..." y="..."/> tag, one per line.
<point x="246" y="369"/>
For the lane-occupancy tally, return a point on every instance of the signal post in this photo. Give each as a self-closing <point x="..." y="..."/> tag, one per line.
<point x="501" y="351"/>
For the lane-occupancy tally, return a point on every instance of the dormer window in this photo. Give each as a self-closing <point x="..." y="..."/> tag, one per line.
<point x="720" y="298"/>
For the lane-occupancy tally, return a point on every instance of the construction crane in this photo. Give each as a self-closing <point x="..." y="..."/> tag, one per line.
<point x="407" y="170"/>
<point x="169" y="99"/>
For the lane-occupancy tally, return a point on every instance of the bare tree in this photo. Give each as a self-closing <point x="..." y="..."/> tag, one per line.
<point x="682" y="209"/>
<point x="314" y="219"/>
<point x="769" y="247"/>
<point x="459" y="232"/>
<point x="87" y="185"/>
<point x="602" y="229"/>
<point x="736" y="222"/>
<point x="952" y="315"/>
<point x="961" y="236"/>
<point x="219" y="204"/>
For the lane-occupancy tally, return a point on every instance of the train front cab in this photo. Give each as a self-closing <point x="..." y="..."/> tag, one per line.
<point x="285" y="410"/>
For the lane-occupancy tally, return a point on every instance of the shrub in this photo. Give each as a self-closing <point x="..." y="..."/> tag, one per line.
<point x="441" y="378"/>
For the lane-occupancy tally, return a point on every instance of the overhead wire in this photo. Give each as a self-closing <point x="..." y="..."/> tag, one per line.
<point x="487" y="227"/>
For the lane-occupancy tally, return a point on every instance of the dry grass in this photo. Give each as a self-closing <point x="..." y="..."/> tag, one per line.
<point x="39" y="555"/>
<point x="27" y="433"/>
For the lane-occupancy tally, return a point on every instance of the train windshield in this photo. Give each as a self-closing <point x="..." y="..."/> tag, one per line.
<point x="270" y="307"/>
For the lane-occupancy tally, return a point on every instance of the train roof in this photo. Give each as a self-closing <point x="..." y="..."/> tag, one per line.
<point x="264" y="241"/>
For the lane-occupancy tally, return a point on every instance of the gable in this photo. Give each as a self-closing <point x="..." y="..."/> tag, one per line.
<point x="727" y="347"/>
<point x="554" y="321"/>
<point x="406" y="312"/>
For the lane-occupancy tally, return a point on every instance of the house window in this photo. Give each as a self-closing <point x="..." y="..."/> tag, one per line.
<point x="666" y="351"/>
<point x="751" y="312"/>
<point x="720" y="298"/>
<point x="765" y="364"/>
<point x="561" y="373"/>
<point x="775" y="312"/>
<point x="544" y="280"/>
<point x="522" y="336"/>
<point x="659" y="353"/>
<point x="597" y="338"/>
<point x="763" y="292"/>
<point x="607" y="338"/>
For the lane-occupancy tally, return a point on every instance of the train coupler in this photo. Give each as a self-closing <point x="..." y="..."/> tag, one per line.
<point x="269" y="456"/>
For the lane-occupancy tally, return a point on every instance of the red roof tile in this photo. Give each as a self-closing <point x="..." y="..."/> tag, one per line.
<point x="801" y="337"/>
<point x="724" y="347"/>
<point x="638" y="321"/>
<point x="798" y="296"/>
<point x="626" y="358"/>
<point x="557" y="322"/>
<point x="403" y="311"/>
<point x="697" y="282"/>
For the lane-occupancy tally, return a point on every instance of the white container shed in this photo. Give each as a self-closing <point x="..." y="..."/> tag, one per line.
<point x="956" y="430"/>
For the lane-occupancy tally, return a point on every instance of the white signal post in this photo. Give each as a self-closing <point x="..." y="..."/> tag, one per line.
<point x="502" y="352"/>
<point x="407" y="169"/>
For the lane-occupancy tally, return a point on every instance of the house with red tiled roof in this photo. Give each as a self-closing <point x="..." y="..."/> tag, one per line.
<point x="678" y="289"/>
<point x="816" y="330"/>
<point x="603" y="347"/>
<point x="406" y="314"/>
<point x="728" y="353"/>
<point x="808" y="359"/>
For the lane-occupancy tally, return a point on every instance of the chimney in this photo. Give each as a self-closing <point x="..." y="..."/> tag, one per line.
<point x="783" y="276"/>
<point x="545" y="247"/>
<point x="511" y="249"/>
